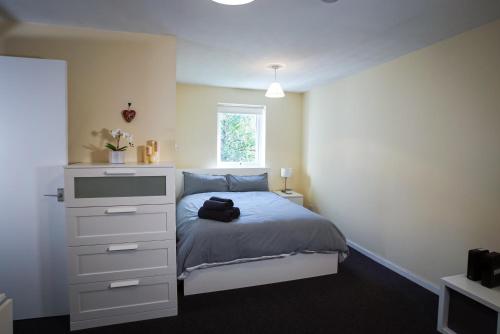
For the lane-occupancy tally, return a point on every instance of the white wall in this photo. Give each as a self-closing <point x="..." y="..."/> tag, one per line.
<point x="405" y="157"/>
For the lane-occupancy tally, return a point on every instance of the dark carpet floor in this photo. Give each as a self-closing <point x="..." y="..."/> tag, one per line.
<point x="364" y="297"/>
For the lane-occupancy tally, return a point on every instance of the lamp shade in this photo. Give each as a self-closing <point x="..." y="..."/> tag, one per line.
<point x="275" y="91"/>
<point x="286" y="172"/>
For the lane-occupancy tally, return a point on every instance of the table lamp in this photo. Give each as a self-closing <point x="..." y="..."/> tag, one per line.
<point x="286" y="173"/>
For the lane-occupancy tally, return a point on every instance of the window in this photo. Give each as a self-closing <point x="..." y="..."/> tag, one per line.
<point x="241" y="133"/>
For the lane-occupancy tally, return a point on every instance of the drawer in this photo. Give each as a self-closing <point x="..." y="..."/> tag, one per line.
<point x="118" y="186"/>
<point x="121" y="261"/>
<point x="113" y="298"/>
<point x="106" y="225"/>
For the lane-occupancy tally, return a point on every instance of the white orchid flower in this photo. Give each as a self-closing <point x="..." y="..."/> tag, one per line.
<point x="116" y="133"/>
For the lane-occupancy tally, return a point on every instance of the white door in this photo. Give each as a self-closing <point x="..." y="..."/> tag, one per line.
<point x="33" y="141"/>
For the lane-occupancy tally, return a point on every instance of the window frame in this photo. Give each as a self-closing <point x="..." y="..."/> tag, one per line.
<point x="248" y="109"/>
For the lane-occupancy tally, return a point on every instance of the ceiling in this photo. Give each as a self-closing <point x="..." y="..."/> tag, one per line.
<point x="231" y="46"/>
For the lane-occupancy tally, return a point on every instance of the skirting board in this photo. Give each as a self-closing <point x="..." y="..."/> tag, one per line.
<point x="394" y="267"/>
<point x="254" y="273"/>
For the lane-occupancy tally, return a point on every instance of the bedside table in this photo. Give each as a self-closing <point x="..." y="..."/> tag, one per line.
<point x="292" y="196"/>
<point x="472" y="291"/>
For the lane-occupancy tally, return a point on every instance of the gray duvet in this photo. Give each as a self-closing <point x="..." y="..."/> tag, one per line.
<point x="269" y="226"/>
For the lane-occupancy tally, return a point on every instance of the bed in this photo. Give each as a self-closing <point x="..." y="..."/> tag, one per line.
<point x="273" y="240"/>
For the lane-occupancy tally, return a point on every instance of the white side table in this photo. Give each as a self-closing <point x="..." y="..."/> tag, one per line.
<point x="292" y="196"/>
<point x="473" y="290"/>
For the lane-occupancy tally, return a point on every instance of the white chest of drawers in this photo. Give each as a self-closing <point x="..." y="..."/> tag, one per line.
<point x="121" y="243"/>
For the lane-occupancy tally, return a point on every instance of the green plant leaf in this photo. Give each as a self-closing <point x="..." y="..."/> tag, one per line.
<point x="111" y="147"/>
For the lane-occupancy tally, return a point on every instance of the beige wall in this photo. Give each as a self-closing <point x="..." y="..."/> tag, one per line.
<point x="105" y="71"/>
<point x="405" y="157"/>
<point x="197" y="128"/>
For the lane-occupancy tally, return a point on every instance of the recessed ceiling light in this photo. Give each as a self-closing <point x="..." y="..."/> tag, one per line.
<point x="329" y="1"/>
<point x="233" y="2"/>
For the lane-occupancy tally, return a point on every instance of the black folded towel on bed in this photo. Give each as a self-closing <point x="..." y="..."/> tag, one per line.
<point x="226" y="215"/>
<point x="223" y="200"/>
<point x="217" y="205"/>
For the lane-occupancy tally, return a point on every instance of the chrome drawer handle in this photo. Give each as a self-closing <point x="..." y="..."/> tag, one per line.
<point x="125" y="247"/>
<point x="122" y="209"/>
<point x="120" y="171"/>
<point x="123" y="284"/>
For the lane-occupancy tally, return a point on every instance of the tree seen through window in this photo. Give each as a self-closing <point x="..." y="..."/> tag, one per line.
<point x="238" y="138"/>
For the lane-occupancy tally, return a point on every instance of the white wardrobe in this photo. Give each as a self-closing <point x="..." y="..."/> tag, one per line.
<point x="33" y="135"/>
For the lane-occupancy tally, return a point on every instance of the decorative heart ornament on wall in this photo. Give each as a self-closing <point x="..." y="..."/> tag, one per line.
<point x="128" y="114"/>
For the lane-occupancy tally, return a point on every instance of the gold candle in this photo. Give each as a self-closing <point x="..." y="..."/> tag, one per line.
<point x="155" y="154"/>
<point x="147" y="153"/>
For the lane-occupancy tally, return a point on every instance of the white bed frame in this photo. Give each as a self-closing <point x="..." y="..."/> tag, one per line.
<point x="240" y="275"/>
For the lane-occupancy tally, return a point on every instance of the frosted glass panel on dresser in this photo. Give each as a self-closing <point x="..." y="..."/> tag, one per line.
<point x="120" y="186"/>
<point x="110" y="186"/>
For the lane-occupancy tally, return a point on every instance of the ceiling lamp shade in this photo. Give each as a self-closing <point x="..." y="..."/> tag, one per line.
<point x="233" y="2"/>
<point x="275" y="91"/>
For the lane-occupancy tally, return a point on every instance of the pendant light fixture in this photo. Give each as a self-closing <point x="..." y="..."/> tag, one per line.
<point x="233" y="2"/>
<point x="275" y="91"/>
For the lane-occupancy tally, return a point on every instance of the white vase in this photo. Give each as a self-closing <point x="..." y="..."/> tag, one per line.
<point x="116" y="157"/>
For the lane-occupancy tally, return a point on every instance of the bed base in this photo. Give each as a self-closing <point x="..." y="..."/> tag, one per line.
<point x="241" y="275"/>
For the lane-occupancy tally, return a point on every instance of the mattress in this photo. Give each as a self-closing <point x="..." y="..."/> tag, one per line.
<point x="269" y="226"/>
